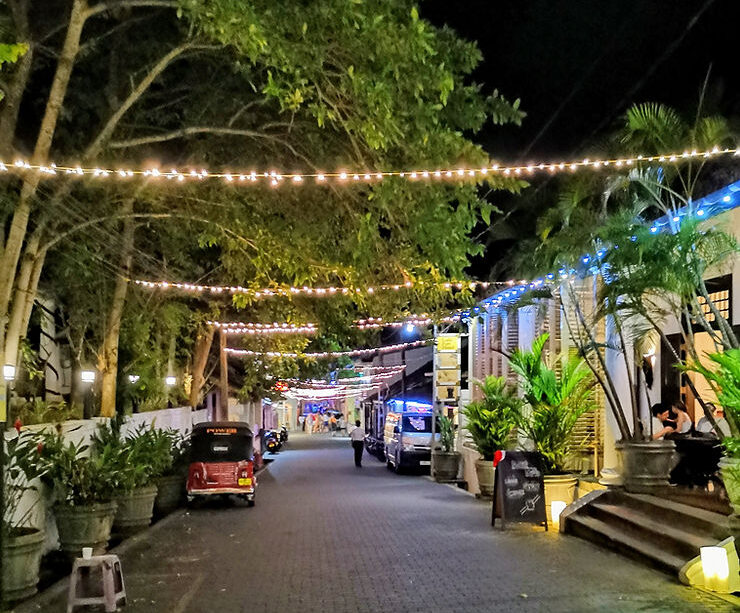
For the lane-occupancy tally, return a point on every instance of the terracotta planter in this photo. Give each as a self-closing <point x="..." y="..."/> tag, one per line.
<point x="560" y="488"/>
<point x="21" y="562"/>
<point x="170" y="494"/>
<point x="486" y="475"/>
<point x="84" y="526"/>
<point x="135" y="510"/>
<point x="446" y="465"/>
<point x="730" y="471"/>
<point x="647" y="465"/>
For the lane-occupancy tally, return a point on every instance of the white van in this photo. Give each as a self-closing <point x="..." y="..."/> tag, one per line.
<point x="407" y="438"/>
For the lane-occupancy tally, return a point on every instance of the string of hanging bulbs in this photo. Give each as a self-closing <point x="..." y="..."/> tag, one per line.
<point x="274" y="178"/>
<point x="325" y="354"/>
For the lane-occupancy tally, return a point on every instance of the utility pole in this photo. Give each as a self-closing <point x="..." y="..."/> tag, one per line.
<point x="224" y="383"/>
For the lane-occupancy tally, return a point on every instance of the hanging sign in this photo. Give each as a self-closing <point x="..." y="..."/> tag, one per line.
<point x="447" y="368"/>
<point x="519" y="488"/>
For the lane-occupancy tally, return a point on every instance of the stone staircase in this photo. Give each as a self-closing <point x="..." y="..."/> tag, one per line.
<point x="662" y="532"/>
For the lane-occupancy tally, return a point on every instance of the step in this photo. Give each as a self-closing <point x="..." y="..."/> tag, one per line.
<point x="672" y="538"/>
<point x="697" y="520"/>
<point x="601" y="533"/>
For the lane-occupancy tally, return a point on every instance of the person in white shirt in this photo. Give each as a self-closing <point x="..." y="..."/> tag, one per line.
<point x="660" y="414"/>
<point x="705" y="425"/>
<point x="357" y="436"/>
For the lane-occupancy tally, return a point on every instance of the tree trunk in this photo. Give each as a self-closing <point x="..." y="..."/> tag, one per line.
<point x="23" y="292"/>
<point x="19" y="80"/>
<point x="108" y="361"/>
<point x="202" y="349"/>
<point x="19" y="224"/>
<point x="224" y="395"/>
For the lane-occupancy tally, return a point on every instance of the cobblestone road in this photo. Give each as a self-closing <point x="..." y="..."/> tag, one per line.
<point x="328" y="537"/>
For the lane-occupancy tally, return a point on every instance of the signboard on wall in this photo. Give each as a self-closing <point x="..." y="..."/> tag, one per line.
<point x="447" y="368"/>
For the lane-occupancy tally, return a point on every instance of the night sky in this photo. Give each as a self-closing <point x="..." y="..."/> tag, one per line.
<point x="577" y="65"/>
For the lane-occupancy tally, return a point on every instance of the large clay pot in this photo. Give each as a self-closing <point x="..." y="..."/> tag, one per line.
<point x="84" y="526"/>
<point x="170" y="494"/>
<point x="560" y="488"/>
<point x="21" y="562"/>
<point x="647" y="465"/>
<point x="135" y="510"/>
<point x="730" y="471"/>
<point x="446" y="465"/>
<point x="486" y="474"/>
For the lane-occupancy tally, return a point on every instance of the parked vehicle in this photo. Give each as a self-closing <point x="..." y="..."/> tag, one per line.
<point x="221" y="461"/>
<point x="373" y="413"/>
<point x="283" y="434"/>
<point x="408" y="438"/>
<point x="271" y="441"/>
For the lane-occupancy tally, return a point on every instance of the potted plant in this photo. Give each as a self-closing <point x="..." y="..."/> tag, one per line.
<point x="142" y="456"/>
<point x="491" y="423"/>
<point x="724" y="377"/>
<point x="446" y="461"/>
<point x="22" y="541"/>
<point x="555" y="401"/>
<point x="171" y="483"/>
<point x="83" y="484"/>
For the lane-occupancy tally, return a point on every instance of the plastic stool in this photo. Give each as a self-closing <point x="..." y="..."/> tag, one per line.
<point x="111" y="578"/>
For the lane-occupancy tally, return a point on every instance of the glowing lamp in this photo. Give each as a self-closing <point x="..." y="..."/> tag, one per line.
<point x="170" y="380"/>
<point x="556" y="508"/>
<point x="716" y="568"/>
<point x="87" y="376"/>
<point x="133" y="378"/>
<point x="9" y="372"/>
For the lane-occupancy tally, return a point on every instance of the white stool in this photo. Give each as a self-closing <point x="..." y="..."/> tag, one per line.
<point x="111" y="579"/>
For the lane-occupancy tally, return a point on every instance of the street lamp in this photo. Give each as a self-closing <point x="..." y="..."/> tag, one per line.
<point x="170" y="380"/>
<point x="87" y="376"/>
<point x="133" y="378"/>
<point x="9" y="372"/>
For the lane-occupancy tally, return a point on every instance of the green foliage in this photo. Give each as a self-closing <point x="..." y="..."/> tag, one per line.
<point x="555" y="401"/>
<point x="22" y="466"/>
<point x="78" y="477"/>
<point x="38" y="411"/>
<point x="724" y="376"/>
<point x="446" y="433"/>
<point x="492" y="420"/>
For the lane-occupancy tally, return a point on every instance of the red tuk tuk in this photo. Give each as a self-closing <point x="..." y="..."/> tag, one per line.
<point x="221" y="461"/>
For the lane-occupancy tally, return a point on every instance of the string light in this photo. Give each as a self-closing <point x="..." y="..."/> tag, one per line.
<point x="326" y="354"/>
<point x="275" y="179"/>
<point x="238" y="327"/>
<point x="313" y="291"/>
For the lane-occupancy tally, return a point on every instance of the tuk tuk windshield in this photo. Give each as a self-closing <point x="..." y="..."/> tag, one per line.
<point x="220" y="447"/>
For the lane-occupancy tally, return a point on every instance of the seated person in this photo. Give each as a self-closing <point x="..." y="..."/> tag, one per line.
<point x="660" y="415"/>
<point x="683" y="422"/>
<point x="705" y="425"/>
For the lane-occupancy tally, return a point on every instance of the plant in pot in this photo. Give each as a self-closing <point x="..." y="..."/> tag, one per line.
<point x="554" y="403"/>
<point x="83" y="485"/>
<point x="142" y="456"/>
<point x="491" y="423"/>
<point x="22" y="541"/>
<point x="446" y="461"/>
<point x="724" y="377"/>
<point x="171" y="482"/>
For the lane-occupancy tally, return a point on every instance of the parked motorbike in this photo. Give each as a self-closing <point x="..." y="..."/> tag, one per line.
<point x="283" y="434"/>
<point x="271" y="441"/>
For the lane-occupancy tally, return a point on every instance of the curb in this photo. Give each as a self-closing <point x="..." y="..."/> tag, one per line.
<point x="40" y="601"/>
<point x="450" y="485"/>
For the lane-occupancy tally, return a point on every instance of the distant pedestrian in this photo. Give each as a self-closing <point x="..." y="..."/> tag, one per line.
<point x="302" y="421"/>
<point x="341" y="425"/>
<point x="325" y="422"/>
<point x="333" y="424"/>
<point x="357" y="436"/>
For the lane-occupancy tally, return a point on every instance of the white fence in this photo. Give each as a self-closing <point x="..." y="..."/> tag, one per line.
<point x="39" y="501"/>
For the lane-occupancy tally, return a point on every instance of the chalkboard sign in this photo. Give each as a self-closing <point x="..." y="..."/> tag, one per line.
<point x="519" y="489"/>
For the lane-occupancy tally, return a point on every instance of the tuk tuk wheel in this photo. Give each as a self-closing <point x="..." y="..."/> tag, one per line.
<point x="250" y="503"/>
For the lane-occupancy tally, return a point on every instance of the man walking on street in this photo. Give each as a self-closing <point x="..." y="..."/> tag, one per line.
<point x="357" y="436"/>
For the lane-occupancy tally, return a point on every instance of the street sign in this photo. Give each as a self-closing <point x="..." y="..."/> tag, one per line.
<point x="447" y="368"/>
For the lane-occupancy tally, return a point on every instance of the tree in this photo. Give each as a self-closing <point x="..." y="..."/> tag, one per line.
<point x="326" y="84"/>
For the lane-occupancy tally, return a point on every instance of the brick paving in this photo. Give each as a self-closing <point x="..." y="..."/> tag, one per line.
<point x="326" y="536"/>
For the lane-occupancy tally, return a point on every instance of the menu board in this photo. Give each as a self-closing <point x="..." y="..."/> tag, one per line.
<point x="519" y="489"/>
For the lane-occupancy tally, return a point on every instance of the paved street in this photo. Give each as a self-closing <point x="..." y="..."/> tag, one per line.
<point x="328" y="537"/>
